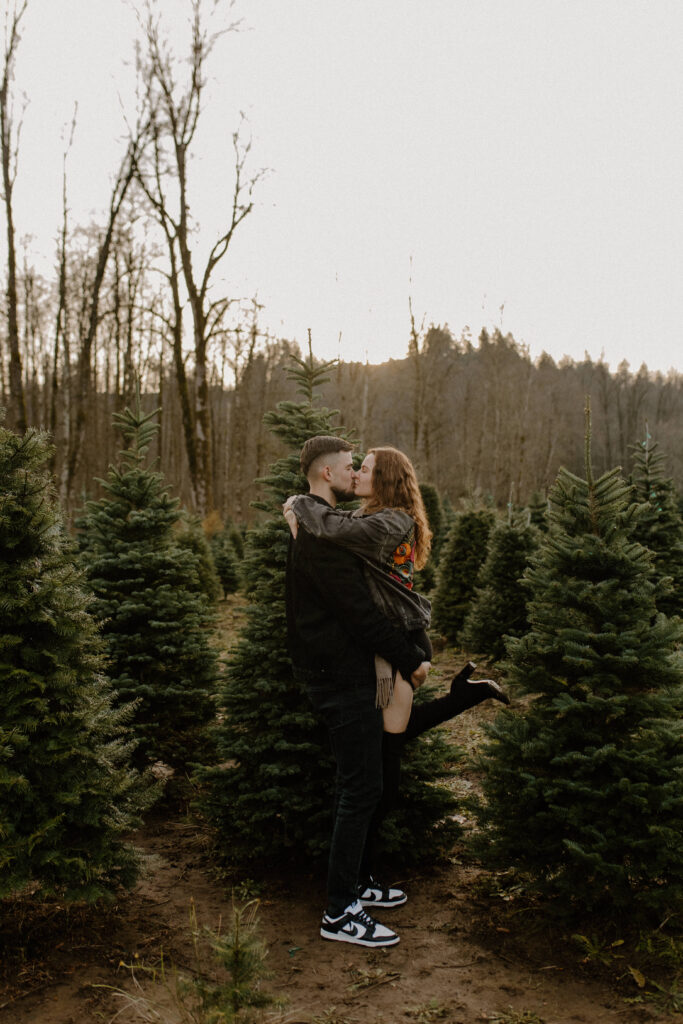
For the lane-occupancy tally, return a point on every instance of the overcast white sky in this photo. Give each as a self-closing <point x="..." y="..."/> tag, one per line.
<point x="524" y="154"/>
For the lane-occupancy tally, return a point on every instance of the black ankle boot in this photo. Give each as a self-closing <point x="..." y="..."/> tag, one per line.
<point x="464" y="674"/>
<point x="471" y="692"/>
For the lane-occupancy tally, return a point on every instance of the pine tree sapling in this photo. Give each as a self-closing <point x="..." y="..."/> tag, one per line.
<point x="272" y="795"/>
<point x="499" y="606"/>
<point x="155" y="618"/>
<point x="583" y="793"/>
<point x="659" y="526"/>
<point x="462" y="555"/>
<point x="67" y="791"/>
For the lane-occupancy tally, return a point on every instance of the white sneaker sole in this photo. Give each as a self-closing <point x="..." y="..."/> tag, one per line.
<point x="385" y="904"/>
<point x="343" y="937"/>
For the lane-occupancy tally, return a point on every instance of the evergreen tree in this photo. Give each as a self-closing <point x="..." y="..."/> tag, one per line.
<point x="659" y="526"/>
<point x="461" y="558"/>
<point x="272" y="795"/>
<point x="583" y="793"/>
<point x="226" y="558"/>
<point x="425" y="579"/>
<point x="449" y="516"/>
<point x="238" y="536"/>
<point x="192" y="537"/>
<point x="538" y="510"/>
<point x="67" y="791"/>
<point x="155" y="618"/>
<point x="499" y="606"/>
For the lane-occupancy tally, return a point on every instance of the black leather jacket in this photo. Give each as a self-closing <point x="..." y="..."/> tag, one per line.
<point x="374" y="538"/>
<point x="334" y="626"/>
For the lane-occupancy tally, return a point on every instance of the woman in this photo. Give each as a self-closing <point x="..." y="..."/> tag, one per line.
<point x="390" y="532"/>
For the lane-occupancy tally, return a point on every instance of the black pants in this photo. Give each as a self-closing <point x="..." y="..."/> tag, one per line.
<point x="355" y="729"/>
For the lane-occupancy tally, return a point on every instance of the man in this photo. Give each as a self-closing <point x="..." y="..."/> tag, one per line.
<point x="335" y="630"/>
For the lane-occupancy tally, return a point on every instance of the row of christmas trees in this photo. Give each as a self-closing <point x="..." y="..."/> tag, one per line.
<point x="111" y="667"/>
<point x="105" y="660"/>
<point x="479" y="594"/>
<point x="110" y="670"/>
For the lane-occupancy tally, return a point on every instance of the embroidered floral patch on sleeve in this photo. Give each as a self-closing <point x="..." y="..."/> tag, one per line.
<point x="403" y="561"/>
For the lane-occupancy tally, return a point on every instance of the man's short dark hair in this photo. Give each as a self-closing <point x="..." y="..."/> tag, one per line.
<point x="322" y="444"/>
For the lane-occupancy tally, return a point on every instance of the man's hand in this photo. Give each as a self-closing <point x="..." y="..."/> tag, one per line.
<point x="420" y="674"/>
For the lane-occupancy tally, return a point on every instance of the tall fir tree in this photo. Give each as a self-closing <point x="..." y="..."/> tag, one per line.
<point x="271" y="796"/>
<point x="68" y="794"/>
<point x="156" y="621"/>
<point x="498" y="609"/>
<point x="660" y="524"/>
<point x="462" y="556"/>
<point x="583" y="792"/>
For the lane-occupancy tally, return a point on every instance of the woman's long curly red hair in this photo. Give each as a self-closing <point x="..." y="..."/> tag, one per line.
<point x="394" y="485"/>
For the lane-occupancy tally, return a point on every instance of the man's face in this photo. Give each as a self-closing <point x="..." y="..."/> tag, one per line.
<point x="341" y="476"/>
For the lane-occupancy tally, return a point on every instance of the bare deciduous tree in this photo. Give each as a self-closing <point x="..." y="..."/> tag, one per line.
<point x="175" y="106"/>
<point x="82" y="377"/>
<point x="10" y="130"/>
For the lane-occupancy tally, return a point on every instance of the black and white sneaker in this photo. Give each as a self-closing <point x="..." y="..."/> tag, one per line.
<point x="357" y="927"/>
<point x="374" y="894"/>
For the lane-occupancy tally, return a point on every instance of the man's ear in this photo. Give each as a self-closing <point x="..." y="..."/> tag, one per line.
<point x="327" y="473"/>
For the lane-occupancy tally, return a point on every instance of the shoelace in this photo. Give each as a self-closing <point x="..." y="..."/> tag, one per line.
<point x="363" y="916"/>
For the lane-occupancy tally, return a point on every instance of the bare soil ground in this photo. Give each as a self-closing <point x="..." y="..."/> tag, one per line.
<point x="464" y="956"/>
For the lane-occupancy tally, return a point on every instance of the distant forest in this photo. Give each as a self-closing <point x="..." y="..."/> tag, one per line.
<point x="137" y="298"/>
<point x="477" y="418"/>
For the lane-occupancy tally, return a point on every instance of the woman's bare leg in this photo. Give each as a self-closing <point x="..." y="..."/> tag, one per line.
<point x="397" y="713"/>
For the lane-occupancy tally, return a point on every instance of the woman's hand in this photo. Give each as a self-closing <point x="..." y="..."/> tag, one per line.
<point x="420" y="674"/>
<point x="292" y="521"/>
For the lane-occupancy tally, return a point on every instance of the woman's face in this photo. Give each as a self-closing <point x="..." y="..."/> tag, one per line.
<point x="362" y="480"/>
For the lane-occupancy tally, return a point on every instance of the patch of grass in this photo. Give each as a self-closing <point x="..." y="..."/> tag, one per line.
<point x="231" y="993"/>
<point x="331" y="1016"/>
<point x="369" y="979"/>
<point x="246" y="890"/>
<point x="668" y="999"/>
<point x="428" y="1013"/>
<point x="516" y="1017"/>
<point x="661" y="949"/>
<point x="598" y="950"/>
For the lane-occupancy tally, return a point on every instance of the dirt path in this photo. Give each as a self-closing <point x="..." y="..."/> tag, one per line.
<point x="455" y="962"/>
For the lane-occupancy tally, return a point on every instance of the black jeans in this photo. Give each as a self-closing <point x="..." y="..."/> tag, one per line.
<point x="347" y="708"/>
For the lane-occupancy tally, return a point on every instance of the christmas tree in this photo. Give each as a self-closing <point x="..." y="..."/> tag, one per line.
<point x="191" y="535"/>
<point x="461" y="558"/>
<point x="67" y="792"/>
<point x="272" y="794"/>
<point x="583" y="793"/>
<point x="426" y="578"/>
<point x="538" y="510"/>
<point x="659" y="526"/>
<point x="227" y="556"/>
<point x="499" y="606"/>
<point x="155" y="618"/>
